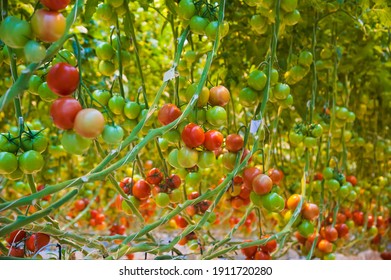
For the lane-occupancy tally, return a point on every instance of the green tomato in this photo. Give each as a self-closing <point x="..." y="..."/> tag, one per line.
<point x="34" y="83"/>
<point x="74" y="143"/>
<point x="132" y="110"/>
<point x="176" y="196"/>
<point x="257" y="80"/>
<point x="172" y="136"/>
<point x="198" y="24"/>
<point x="31" y="162"/>
<point x="193" y="179"/>
<point x="295" y="138"/>
<point x="190" y="56"/>
<point x="34" y="51"/>
<point x="112" y="134"/>
<point x="45" y="93"/>
<point x="306" y="228"/>
<point x="106" y="68"/>
<point x="8" y="143"/>
<point x="211" y="30"/>
<point x="186" y="9"/>
<point x="104" y="51"/>
<point x="248" y="97"/>
<point x="173" y="159"/>
<point x="101" y="97"/>
<point x="256" y="199"/>
<point x="310" y="142"/>
<point x="328" y="173"/>
<point x="288" y="5"/>
<point x="206" y="159"/>
<point x="162" y="200"/>
<point x="292" y="18"/>
<point x="36" y="141"/>
<point x="116" y="104"/>
<point x="281" y="91"/>
<point x="66" y="56"/>
<point x="216" y="116"/>
<point x="305" y="58"/>
<point x="273" y="202"/>
<point x="104" y="12"/>
<point x="317" y="131"/>
<point x="15" y="32"/>
<point x="187" y="157"/>
<point x="202" y="98"/>
<point x="8" y="163"/>
<point x="229" y="160"/>
<point x="332" y="185"/>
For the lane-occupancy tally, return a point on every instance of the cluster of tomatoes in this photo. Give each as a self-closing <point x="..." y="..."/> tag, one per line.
<point x="260" y="252"/>
<point x="260" y="22"/>
<point x="20" y="240"/>
<point x="298" y="71"/>
<point x="306" y="134"/>
<point x="202" y="18"/>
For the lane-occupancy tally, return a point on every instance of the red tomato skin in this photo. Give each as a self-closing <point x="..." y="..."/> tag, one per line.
<point x="168" y="113"/>
<point x="89" y="123"/>
<point x="193" y="135"/>
<point x="48" y="26"/>
<point x="63" y="112"/>
<point x="63" y="79"/>
<point x="213" y="140"/>
<point x="234" y="142"/>
<point x="55" y="5"/>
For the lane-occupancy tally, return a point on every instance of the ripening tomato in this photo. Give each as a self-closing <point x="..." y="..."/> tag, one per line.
<point x="234" y="142"/>
<point x="180" y="221"/>
<point x="63" y="112"/>
<point x="213" y="140"/>
<point x="168" y="113"/>
<point x="293" y="201"/>
<point x="325" y="246"/>
<point x="63" y="79"/>
<point x="310" y="211"/>
<point x="141" y="190"/>
<point x="89" y="123"/>
<point x="55" y="5"/>
<point x="262" y="184"/>
<point x="48" y="26"/>
<point x="276" y="175"/>
<point x="219" y="96"/>
<point x="187" y="157"/>
<point x="249" y="174"/>
<point x="270" y="246"/>
<point x="193" y="135"/>
<point x="260" y="255"/>
<point x="352" y="179"/>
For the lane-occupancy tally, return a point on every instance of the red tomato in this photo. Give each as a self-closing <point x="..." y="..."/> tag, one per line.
<point x="37" y="241"/>
<point x="259" y="255"/>
<point x="270" y="246"/>
<point x="141" y="190"/>
<point x="174" y="181"/>
<point x="16" y="252"/>
<point x="89" y="123"/>
<point x="351" y="179"/>
<point x="180" y="221"/>
<point x="63" y="112"/>
<point x="213" y="140"/>
<point x="48" y="26"/>
<point x="358" y="218"/>
<point x="16" y="236"/>
<point x="343" y="230"/>
<point x="193" y="135"/>
<point x="249" y="251"/>
<point x="55" y="5"/>
<point x="63" y="79"/>
<point x="262" y="184"/>
<point x="80" y="205"/>
<point x="168" y="113"/>
<point x="234" y="142"/>
<point x="325" y="246"/>
<point x="154" y="176"/>
<point x="237" y="202"/>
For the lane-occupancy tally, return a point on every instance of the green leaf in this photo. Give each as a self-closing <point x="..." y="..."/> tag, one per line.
<point x="171" y="6"/>
<point x="90" y="9"/>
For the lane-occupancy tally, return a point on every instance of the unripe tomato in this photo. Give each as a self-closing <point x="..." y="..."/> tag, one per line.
<point x="206" y="159"/>
<point x="219" y="96"/>
<point x="63" y="112"/>
<point x="248" y="97"/>
<point x="63" y="79"/>
<point x="31" y="162"/>
<point x="288" y="5"/>
<point x="45" y="93"/>
<point x="306" y="228"/>
<point x="186" y="9"/>
<point x="104" y="51"/>
<point x="34" y="51"/>
<point x="198" y="24"/>
<point x="293" y="201"/>
<point x="117" y="104"/>
<point x="257" y="80"/>
<point x="15" y="32"/>
<point x="273" y="202"/>
<point x="112" y="134"/>
<point x="101" y="97"/>
<point x="8" y="163"/>
<point x="106" y="67"/>
<point x="202" y="98"/>
<point x="74" y="143"/>
<point x="55" y="5"/>
<point x="162" y="200"/>
<point x="187" y="157"/>
<point x="216" y="116"/>
<point x="89" y="123"/>
<point x="48" y="26"/>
